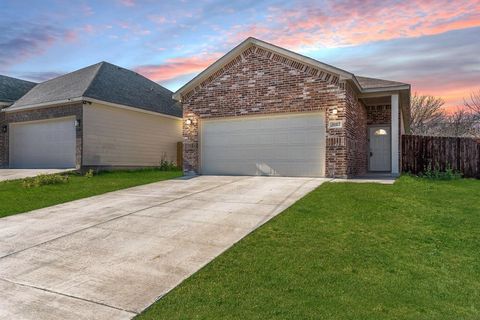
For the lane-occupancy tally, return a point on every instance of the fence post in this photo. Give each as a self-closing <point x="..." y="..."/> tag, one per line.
<point x="180" y="155"/>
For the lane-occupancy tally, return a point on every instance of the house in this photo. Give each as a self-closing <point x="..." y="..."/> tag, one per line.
<point x="100" y="116"/>
<point x="11" y="89"/>
<point x="264" y="110"/>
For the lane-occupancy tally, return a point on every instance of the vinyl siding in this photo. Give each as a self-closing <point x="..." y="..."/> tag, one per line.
<point x="119" y="137"/>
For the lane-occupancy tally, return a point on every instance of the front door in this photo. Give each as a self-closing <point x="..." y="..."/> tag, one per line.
<point x="380" y="153"/>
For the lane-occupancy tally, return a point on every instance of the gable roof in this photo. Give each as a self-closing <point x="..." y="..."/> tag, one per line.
<point x="365" y="85"/>
<point x="105" y="82"/>
<point x="12" y="89"/>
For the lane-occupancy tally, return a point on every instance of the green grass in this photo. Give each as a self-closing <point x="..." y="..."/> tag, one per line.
<point x="14" y="198"/>
<point x="348" y="251"/>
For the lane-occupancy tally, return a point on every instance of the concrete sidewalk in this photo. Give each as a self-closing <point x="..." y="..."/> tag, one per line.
<point x="111" y="256"/>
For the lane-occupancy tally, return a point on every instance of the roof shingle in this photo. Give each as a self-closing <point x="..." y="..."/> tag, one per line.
<point x="12" y="89"/>
<point x="373" y="83"/>
<point x="106" y="82"/>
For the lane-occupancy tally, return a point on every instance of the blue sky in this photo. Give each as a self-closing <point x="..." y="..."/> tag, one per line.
<point x="434" y="45"/>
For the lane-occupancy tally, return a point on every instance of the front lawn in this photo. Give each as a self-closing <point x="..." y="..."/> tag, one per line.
<point x="14" y="198"/>
<point x="348" y="251"/>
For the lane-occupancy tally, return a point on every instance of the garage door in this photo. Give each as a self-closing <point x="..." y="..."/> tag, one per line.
<point x="43" y="144"/>
<point x="287" y="145"/>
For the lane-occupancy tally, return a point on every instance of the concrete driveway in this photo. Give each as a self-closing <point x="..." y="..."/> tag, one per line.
<point x="13" y="174"/>
<point x="111" y="256"/>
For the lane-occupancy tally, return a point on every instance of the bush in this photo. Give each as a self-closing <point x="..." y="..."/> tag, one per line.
<point x="435" y="173"/>
<point x="166" y="165"/>
<point x="45" y="179"/>
<point x="90" y="173"/>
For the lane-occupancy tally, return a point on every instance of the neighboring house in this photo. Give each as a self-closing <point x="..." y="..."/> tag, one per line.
<point x="11" y="89"/>
<point x="99" y="116"/>
<point x="264" y="110"/>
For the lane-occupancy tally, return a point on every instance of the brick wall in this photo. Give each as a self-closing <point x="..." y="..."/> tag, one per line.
<point x="356" y="131"/>
<point x="48" y="113"/>
<point x="381" y="114"/>
<point x="261" y="82"/>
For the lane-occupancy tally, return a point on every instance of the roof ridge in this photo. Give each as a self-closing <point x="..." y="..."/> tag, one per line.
<point x="100" y="65"/>
<point x="18" y="79"/>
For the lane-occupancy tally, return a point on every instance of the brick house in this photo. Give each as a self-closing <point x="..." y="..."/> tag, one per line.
<point x="264" y="110"/>
<point x="100" y="116"/>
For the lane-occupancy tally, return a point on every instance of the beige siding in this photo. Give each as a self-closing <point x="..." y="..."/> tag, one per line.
<point x="118" y="137"/>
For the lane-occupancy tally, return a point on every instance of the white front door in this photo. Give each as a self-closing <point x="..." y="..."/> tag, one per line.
<point x="380" y="153"/>
<point x="43" y="144"/>
<point x="274" y="145"/>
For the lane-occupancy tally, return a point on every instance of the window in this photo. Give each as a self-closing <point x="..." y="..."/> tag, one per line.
<point x="381" y="132"/>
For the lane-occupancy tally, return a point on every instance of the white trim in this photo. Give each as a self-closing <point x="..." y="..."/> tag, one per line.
<point x="262" y="44"/>
<point x="45" y="104"/>
<point x="381" y="92"/>
<point x="384" y="89"/>
<point x="395" y="132"/>
<point x="41" y="120"/>
<point x="121" y="106"/>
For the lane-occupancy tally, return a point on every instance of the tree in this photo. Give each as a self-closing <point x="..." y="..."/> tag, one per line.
<point x="427" y="116"/>
<point x="461" y="123"/>
<point x="473" y="104"/>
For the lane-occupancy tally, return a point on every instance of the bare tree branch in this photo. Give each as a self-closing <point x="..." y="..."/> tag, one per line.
<point x="461" y="123"/>
<point x="474" y="103"/>
<point x="427" y="115"/>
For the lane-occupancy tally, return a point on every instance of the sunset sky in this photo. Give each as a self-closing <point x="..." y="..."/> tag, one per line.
<point x="434" y="45"/>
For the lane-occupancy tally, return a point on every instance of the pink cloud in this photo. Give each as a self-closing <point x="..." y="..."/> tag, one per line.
<point x="128" y="3"/>
<point x="354" y="22"/>
<point x="158" y="19"/>
<point x="175" y="67"/>
<point x="70" y="36"/>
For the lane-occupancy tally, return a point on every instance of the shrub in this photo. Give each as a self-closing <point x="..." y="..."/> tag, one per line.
<point x="435" y="173"/>
<point x="45" y="179"/>
<point x="90" y="173"/>
<point x="166" y="165"/>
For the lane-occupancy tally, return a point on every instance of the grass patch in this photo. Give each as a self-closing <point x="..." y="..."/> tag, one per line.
<point x="348" y="251"/>
<point x="15" y="198"/>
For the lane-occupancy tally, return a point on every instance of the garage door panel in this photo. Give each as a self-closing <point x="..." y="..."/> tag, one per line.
<point x="43" y="144"/>
<point x="286" y="145"/>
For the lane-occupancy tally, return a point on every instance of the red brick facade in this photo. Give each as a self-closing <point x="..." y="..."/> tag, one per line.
<point x="380" y="114"/>
<point x="262" y="82"/>
<point x="42" y="114"/>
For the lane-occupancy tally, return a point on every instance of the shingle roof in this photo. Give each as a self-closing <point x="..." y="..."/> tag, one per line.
<point x="12" y="89"/>
<point x="373" y="83"/>
<point x="106" y="82"/>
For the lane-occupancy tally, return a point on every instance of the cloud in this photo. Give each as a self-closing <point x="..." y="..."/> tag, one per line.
<point x="445" y="65"/>
<point x="128" y="3"/>
<point x="18" y="43"/>
<point x="354" y="22"/>
<point x="177" y="67"/>
<point x="40" y="76"/>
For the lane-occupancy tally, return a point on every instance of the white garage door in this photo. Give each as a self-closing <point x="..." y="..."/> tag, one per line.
<point x="43" y="144"/>
<point x="286" y="145"/>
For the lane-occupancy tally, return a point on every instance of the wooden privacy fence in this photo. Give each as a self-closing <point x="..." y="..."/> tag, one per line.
<point x="460" y="154"/>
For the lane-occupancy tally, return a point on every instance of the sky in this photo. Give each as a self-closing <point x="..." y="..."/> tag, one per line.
<point x="432" y="44"/>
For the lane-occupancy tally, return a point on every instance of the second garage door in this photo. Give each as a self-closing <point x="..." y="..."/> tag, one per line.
<point x="280" y="145"/>
<point x="43" y="144"/>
